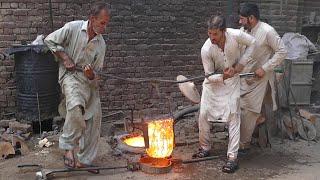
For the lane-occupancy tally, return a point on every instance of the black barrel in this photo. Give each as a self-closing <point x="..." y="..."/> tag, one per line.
<point x="37" y="82"/>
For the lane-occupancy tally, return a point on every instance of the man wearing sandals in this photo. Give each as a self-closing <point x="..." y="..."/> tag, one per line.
<point x="270" y="52"/>
<point x="220" y="100"/>
<point x="80" y="44"/>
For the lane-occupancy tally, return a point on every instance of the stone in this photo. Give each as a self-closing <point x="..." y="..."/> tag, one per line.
<point x="48" y="144"/>
<point x="43" y="142"/>
<point x="2" y="130"/>
<point x="15" y="126"/>
<point x="5" y="123"/>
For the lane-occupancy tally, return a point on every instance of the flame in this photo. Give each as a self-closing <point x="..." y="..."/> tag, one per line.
<point x="137" y="141"/>
<point x="161" y="138"/>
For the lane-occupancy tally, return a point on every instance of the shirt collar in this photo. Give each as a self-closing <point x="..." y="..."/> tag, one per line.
<point x="84" y="26"/>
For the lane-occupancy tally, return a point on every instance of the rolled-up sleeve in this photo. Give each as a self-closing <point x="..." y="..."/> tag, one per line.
<point x="208" y="66"/>
<point x="58" y="38"/>
<point x="280" y="53"/>
<point x="249" y="41"/>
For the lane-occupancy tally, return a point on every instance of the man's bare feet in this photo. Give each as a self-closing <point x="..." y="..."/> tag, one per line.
<point x="68" y="158"/>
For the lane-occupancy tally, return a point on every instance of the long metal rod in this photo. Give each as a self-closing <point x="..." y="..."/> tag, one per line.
<point x="187" y="161"/>
<point x="90" y="168"/>
<point x="39" y="115"/>
<point x="143" y="80"/>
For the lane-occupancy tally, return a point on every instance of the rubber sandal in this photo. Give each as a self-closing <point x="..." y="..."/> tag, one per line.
<point x="201" y="154"/>
<point x="230" y="167"/>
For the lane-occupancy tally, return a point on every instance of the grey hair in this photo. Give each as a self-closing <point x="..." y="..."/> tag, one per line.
<point x="217" y="22"/>
<point x="96" y="8"/>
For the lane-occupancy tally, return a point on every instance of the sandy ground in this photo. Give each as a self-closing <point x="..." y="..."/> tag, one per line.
<point x="285" y="160"/>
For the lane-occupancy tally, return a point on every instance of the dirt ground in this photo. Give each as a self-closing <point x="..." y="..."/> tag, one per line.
<point x="285" y="160"/>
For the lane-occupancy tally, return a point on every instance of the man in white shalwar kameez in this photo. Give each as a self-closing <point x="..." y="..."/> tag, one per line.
<point x="270" y="52"/>
<point x="221" y="92"/>
<point x="80" y="44"/>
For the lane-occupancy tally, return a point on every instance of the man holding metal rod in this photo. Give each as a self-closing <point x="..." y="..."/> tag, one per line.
<point x="270" y="52"/>
<point x="220" y="100"/>
<point x="80" y="44"/>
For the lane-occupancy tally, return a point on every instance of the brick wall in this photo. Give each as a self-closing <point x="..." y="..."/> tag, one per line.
<point x="22" y="20"/>
<point x="310" y="28"/>
<point x="156" y="39"/>
<point x="308" y="7"/>
<point x="146" y="38"/>
<point x="283" y="15"/>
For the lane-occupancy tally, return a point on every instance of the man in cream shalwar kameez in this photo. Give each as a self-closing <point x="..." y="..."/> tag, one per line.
<point x="270" y="52"/>
<point x="221" y="92"/>
<point x="80" y="43"/>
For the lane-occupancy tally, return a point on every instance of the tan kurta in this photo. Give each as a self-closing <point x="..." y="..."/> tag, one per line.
<point x="220" y="98"/>
<point x="269" y="53"/>
<point x="72" y="38"/>
<point x="79" y="130"/>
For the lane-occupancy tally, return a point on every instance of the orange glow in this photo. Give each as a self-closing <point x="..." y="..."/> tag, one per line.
<point x="161" y="138"/>
<point x="137" y="141"/>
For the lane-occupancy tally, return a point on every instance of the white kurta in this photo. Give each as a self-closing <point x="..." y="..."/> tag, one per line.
<point x="220" y="98"/>
<point x="270" y="52"/>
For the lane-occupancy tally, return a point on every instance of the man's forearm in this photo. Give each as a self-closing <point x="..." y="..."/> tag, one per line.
<point x="66" y="60"/>
<point x="62" y="56"/>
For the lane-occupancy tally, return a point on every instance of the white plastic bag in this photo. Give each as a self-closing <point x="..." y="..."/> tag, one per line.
<point x="38" y="40"/>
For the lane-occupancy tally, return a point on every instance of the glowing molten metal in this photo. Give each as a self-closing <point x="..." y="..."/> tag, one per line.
<point x="161" y="138"/>
<point x="137" y="141"/>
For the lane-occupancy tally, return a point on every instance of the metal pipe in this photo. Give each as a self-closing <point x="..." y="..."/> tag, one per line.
<point x="187" y="161"/>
